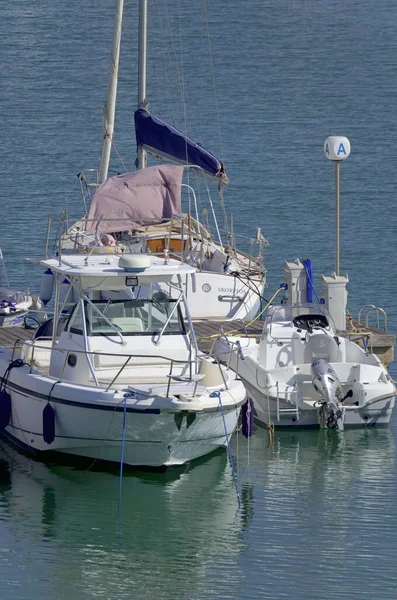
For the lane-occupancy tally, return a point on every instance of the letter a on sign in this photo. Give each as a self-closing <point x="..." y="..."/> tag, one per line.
<point x="337" y="147"/>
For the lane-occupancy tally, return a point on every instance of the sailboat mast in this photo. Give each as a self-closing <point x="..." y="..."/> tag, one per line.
<point x="142" y="68"/>
<point x="110" y="105"/>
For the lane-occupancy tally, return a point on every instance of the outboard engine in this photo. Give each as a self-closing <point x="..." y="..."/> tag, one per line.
<point x="326" y="382"/>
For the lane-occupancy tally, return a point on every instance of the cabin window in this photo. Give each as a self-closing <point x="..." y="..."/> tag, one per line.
<point x="129" y="317"/>
<point x="74" y="324"/>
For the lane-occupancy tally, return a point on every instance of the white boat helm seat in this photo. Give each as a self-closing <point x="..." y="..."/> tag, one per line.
<point x="321" y="345"/>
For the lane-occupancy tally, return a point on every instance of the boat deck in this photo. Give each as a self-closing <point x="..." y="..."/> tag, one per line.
<point x="380" y="342"/>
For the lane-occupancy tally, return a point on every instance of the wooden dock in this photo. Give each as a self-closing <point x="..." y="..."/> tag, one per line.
<point x="379" y="342"/>
<point x="10" y="335"/>
<point x="208" y="331"/>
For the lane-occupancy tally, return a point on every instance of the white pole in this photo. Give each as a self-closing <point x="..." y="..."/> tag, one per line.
<point x="337" y="148"/>
<point x="142" y="68"/>
<point x="337" y="214"/>
<point x="110" y="105"/>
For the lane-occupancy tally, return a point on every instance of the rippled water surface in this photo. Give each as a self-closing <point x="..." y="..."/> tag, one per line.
<point x="318" y="515"/>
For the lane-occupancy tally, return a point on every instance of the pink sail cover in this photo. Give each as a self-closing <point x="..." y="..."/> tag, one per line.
<point x="152" y="193"/>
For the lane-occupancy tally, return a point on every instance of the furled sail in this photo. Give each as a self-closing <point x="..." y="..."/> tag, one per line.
<point x="125" y="201"/>
<point x="165" y="141"/>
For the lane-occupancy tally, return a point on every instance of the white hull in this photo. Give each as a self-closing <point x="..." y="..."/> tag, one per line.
<point x="89" y="422"/>
<point x="223" y="297"/>
<point x="14" y="307"/>
<point x="377" y="412"/>
<point x="15" y="319"/>
<point x="296" y="376"/>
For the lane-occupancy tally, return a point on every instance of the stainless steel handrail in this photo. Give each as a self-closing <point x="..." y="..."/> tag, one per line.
<point x="188" y="363"/>
<point x="370" y="308"/>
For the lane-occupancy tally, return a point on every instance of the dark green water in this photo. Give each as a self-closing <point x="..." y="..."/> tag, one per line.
<point x="317" y="519"/>
<point x="318" y="516"/>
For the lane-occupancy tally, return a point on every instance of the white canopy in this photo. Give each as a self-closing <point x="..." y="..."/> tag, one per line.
<point x="103" y="271"/>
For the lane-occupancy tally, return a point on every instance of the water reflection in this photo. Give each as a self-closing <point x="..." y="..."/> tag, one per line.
<point x="172" y="526"/>
<point x="314" y="504"/>
<point x="323" y="499"/>
<point x="324" y="457"/>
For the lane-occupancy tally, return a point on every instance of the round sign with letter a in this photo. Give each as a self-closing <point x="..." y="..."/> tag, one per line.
<point x="337" y="147"/>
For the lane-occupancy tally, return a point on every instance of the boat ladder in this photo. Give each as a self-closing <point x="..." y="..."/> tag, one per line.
<point x="294" y="409"/>
<point x="367" y="309"/>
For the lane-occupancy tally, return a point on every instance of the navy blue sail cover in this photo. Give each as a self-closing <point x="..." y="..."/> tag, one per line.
<point x="157" y="137"/>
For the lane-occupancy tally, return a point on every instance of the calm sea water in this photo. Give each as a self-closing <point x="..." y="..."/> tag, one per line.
<point x="318" y="516"/>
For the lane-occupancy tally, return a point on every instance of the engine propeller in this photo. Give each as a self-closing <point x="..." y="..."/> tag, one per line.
<point x="325" y="381"/>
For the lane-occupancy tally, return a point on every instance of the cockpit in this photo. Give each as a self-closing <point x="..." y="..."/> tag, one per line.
<point x="309" y="322"/>
<point x="282" y="320"/>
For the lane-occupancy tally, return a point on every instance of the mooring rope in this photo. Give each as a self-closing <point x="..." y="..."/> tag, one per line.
<point x="270" y="424"/>
<point x="128" y="395"/>
<point x="18" y="362"/>
<point x="215" y="335"/>
<point x="229" y="449"/>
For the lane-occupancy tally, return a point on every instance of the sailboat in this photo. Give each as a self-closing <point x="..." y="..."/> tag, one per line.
<point x="229" y="282"/>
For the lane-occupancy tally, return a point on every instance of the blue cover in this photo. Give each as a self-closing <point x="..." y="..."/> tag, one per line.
<point x="156" y="136"/>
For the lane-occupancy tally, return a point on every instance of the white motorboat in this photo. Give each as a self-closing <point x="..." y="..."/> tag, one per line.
<point x="300" y="373"/>
<point x="14" y="305"/>
<point x="116" y="378"/>
<point x="230" y="279"/>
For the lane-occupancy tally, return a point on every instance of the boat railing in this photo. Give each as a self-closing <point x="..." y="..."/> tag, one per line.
<point x="74" y="231"/>
<point x="88" y="180"/>
<point x="250" y="247"/>
<point x="226" y="357"/>
<point x="82" y="240"/>
<point x="192" y="376"/>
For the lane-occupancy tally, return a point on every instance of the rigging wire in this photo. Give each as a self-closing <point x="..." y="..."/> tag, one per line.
<point x="119" y="156"/>
<point x="163" y="74"/>
<point x="183" y="88"/>
<point x="173" y="57"/>
<point x="220" y="186"/>
<point x="246" y="282"/>
<point x="213" y="78"/>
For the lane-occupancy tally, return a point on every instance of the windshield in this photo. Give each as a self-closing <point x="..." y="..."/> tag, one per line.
<point x="129" y="317"/>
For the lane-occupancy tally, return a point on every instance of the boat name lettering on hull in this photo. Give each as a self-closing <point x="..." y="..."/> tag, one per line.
<point x="230" y="291"/>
